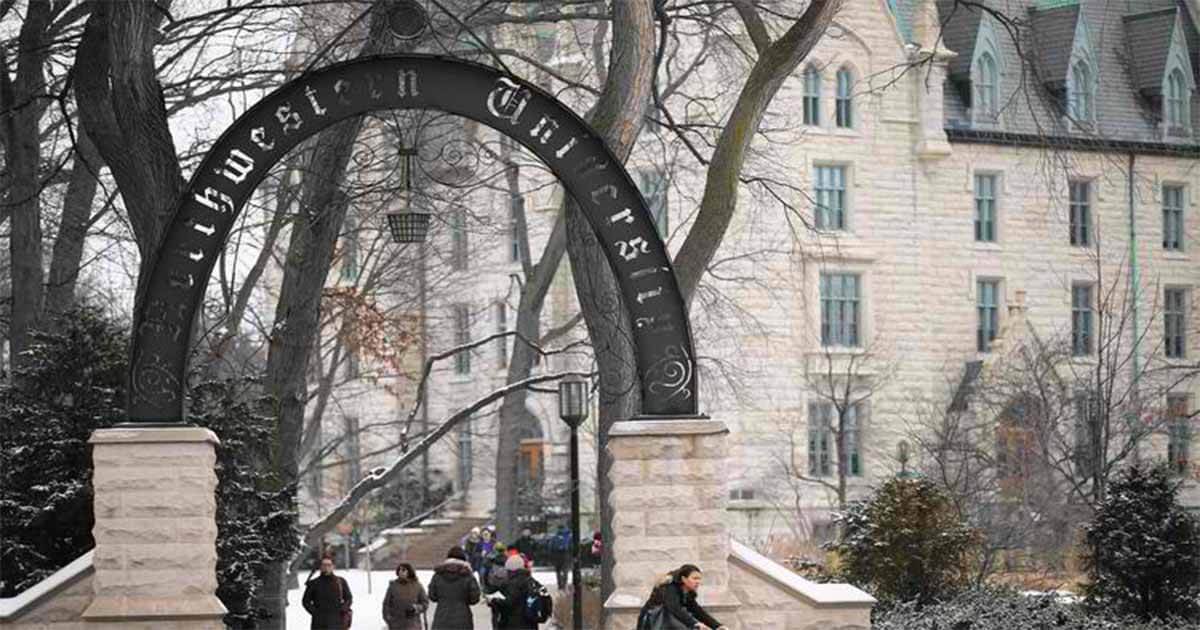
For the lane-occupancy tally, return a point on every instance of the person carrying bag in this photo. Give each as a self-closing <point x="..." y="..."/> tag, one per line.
<point x="672" y="604"/>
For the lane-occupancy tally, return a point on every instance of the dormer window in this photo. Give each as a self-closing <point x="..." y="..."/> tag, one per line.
<point x="1080" y="93"/>
<point x="1178" y="105"/>
<point x="986" y="88"/>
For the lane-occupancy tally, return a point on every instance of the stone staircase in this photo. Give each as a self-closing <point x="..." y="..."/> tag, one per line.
<point x="424" y="544"/>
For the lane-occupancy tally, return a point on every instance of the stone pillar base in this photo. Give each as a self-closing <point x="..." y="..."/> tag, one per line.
<point x="668" y="501"/>
<point x="156" y="529"/>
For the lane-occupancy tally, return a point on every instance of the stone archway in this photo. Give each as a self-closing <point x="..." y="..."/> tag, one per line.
<point x="241" y="158"/>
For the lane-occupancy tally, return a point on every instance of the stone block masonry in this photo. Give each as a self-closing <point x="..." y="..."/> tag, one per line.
<point x="669" y="508"/>
<point x="156" y="555"/>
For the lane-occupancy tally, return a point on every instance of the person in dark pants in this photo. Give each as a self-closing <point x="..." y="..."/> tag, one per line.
<point x="455" y="590"/>
<point x="326" y="598"/>
<point x="676" y="595"/>
<point x="560" y="555"/>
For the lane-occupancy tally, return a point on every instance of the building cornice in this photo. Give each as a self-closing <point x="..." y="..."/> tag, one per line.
<point x="1070" y="143"/>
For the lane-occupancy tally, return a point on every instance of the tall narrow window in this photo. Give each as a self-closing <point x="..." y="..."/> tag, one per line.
<point x="987" y="292"/>
<point x="350" y="248"/>
<point x="1081" y="213"/>
<point x="986" y="88"/>
<point x="465" y="454"/>
<point x="839" y="309"/>
<point x="852" y="439"/>
<point x="985" y="208"/>
<point x="462" y="336"/>
<point x="502" y="327"/>
<point x="1172" y="217"/>
<point x="812" y="96"/>
<point x="845" y="100"/>
<point x="1081" y="319"/>
<point x="1087" y="434"/>
<point x="654" y="189"/>
<point x="458" y="240"/>
<point x="1174" y="322"/>
<point x="820" y="437"/>
<point x="831" y="197"/>
<point x="352" y="451"/>
<point x="1079" y="92"/>
<point x="1179" y="433"/>
<point x="516" y="209"/>
<point x="1177" y="104"/>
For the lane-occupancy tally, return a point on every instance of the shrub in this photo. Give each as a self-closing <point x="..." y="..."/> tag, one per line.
<point x="905" y="543"/>
<point x="1143" y="548"/>
<point x="1003" y="609"/>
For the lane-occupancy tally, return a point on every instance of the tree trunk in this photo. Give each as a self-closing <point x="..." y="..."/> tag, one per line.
<point x="621" y="112"/>
<point x="25" y="99"/>
<point x="776" y="62"/>
<point x="66" y="260"/>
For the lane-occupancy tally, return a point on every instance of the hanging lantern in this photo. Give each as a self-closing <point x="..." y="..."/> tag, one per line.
<point x="410" y="226"/>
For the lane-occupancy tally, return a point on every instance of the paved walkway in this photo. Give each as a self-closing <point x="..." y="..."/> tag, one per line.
<point x="368" y="607"/>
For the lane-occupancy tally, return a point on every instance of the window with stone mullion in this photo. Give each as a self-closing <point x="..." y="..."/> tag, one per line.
<point x="1081" y="213"/>
<point x="985" y="208"/>
<point x="1173" y="217"/>
<point x="1174" y="318"/>
<point x="1081" y="320"/>
<point x="839" y="310"/>
<point x="831" y="197"/>
<point x="1179" y="433"/>
<point x="985" y="333"/>
<point x="812" y="96"/>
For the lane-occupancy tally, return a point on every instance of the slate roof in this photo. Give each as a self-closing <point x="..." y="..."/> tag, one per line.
<point x="960" y="25"/>
<point x="1148" y="38"/>
<point x="1035" y="67"/>
<point x="1053" y="33"/>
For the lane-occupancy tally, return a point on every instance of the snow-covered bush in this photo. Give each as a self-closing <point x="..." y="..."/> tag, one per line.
<point x="1143" y="548"/>
<point x="905" y="543"/>
<point x="1002" y="609"/>
<point x="74" y="384"/>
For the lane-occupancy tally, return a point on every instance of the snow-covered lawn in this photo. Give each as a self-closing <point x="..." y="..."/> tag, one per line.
<point x="368" y="607"/>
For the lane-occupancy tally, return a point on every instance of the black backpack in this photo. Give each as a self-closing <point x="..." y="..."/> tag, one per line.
<point x="537" y="605"/>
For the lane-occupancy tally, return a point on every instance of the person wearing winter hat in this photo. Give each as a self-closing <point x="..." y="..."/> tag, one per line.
<point x="525" y="603"/>
<point x="470" y="544"/>
<point x="455" y="590"/>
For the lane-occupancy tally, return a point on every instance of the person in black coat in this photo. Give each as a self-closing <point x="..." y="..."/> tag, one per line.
<point x="518" y="589"/>
<point x="325" y="597"/>
<point x="676" y="594"/>
<point x="455" y="590"/>
<point x="526" y="545"/>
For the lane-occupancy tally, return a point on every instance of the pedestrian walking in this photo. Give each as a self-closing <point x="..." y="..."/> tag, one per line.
<point x="673" y="602"/>
<point x="328" y="599"/>
<point x="470" y="544"/>
<point x="523" y="603"/>
<point x="526" y="545"/>
<point x="455" y="590"/>
<point x="560" y="555"/>
<point x="405" y="601"/>
<point x="491" y="562"/>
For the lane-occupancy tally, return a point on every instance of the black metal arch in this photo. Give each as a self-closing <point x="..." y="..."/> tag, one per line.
<point x="241" y="158"/>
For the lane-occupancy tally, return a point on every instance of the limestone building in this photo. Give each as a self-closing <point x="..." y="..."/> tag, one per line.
<point x="958" y="183"/>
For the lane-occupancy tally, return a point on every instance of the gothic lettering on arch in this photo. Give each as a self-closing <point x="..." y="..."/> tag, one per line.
<point x="607" y="198"/>
<point x="237" y="166"/>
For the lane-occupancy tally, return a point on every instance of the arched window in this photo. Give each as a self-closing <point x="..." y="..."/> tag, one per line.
<point x="845" y="112"/>
<point x="1079" y="92"/>
<point x="986" y="87"/>
<point x="812" y="96"/>
<point x="1177" y="104"/>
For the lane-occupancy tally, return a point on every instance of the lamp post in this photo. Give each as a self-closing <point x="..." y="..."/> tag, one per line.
<point x="572" y="408"/>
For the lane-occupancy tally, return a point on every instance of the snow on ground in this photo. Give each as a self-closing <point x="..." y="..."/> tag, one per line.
<point x="368" y="607"/>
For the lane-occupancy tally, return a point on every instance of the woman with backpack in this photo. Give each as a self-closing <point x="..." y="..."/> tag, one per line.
<point x="673" y="604"/>
<point x="524" y="603"/>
